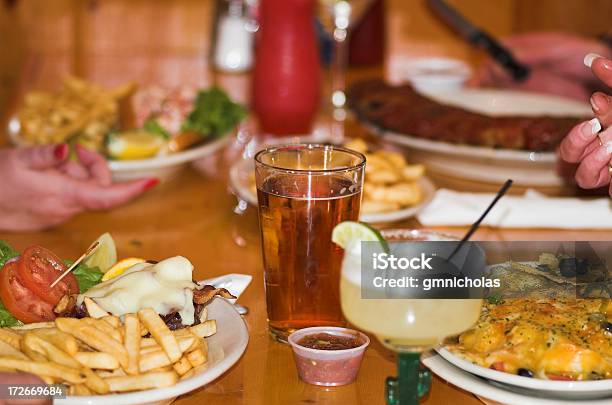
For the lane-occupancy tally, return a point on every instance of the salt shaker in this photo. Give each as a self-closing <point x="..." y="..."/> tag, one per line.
<point x="233" y="50"/>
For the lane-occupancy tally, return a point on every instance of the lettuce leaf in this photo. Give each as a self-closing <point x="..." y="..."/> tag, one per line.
<point x="214" y="114"/>
<point x="6" y="252"/>
<point x="6" y="318"/>
<point x="86" y="276"/>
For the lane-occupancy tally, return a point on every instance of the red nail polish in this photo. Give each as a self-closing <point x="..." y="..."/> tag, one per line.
<point x="61" y="151"/>
<point x="150" y="184"/>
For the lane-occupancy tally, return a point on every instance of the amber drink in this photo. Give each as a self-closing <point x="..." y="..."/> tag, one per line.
<point x="304" y="191"/>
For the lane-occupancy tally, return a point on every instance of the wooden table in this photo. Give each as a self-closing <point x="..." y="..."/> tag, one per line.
<point x="193" y="216"/>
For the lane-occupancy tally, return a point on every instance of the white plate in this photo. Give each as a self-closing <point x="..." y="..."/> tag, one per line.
<point x="240" y="180"/>
<point x="161" y="167"/>
<point x="224" y="350"/>
<point x="488" y="164"/>
<point x="497" y="392"/>
<point x="559" y="389"/>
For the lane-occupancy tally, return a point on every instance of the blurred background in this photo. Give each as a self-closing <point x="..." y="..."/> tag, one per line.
<point x="169" y="42"/>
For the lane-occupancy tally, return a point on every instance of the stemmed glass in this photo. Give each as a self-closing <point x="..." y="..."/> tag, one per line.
<point x="407" y="326"/>
<point x="338" y="17"/>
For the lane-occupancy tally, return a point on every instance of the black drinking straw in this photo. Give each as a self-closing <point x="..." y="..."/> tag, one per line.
<point x="476" y="224"/>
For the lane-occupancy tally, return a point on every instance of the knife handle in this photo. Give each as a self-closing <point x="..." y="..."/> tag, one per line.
<point x="503" y="56"/>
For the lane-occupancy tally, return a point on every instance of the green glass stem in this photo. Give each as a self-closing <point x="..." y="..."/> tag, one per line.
<point x="411" y="382"/>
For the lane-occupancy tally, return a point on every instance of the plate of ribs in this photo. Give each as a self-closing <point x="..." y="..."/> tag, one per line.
<point x="486" y="135"/>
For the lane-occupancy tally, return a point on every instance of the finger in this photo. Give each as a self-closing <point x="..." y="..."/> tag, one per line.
<point x="593" y="171"/>
<point x="575" y="143"/>
<point x="98" y="197"/>
<point x="602" y="68"/>
<point x="96" y="164"/>
<point x="43" y="157"/>
<point x="74" y="170"/>
<point x="602" y="107"/>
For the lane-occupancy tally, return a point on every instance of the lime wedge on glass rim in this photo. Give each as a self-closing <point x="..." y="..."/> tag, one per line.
<point x="105" y="255"/>
<point x="348" y="234"/>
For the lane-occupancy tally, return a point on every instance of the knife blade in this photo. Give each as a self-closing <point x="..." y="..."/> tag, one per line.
<point x="480" y="39"/>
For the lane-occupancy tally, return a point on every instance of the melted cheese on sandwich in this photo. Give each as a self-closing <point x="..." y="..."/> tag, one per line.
<point x="166" y="287"/>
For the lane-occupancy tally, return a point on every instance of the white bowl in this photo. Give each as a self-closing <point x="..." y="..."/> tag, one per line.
<point x="429" y="75"/>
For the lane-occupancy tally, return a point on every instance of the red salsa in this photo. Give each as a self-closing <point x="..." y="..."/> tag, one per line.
<point x="327" y="341"/>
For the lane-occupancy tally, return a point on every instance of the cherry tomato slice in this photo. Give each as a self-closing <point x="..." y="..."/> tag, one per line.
<point x="21" y="302"/>
<point x="38" y="268"/>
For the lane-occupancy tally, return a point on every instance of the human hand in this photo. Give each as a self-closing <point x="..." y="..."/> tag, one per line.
<point x="40" y="187"/>
<point x="589" y="144"/>
<point x="22" y="379"/>
<point x="556" y="62"/>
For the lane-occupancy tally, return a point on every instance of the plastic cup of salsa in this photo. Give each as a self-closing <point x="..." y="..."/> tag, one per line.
<point x="328" y="356"/>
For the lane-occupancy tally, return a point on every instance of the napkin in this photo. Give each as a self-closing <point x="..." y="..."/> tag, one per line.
<point x="531" y="210"/>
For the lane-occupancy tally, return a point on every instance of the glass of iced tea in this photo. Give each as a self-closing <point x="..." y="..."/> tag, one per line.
<point x="304" y="191"/>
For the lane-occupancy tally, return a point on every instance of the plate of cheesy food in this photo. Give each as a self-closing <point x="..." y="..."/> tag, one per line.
<point x="142" y="131"/>
<point x="131" y="332"/>
<point x="485" y="135"/>
<point x="547" y="333"/>
<point x="393" y="189"/>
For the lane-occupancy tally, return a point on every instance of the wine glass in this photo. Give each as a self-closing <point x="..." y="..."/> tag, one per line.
<point x="338" y="17"/>
<point x="407" y="326"/>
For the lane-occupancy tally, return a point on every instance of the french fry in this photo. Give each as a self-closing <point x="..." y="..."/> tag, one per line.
<point x="47" y="368"/>
<point x="94" y="310"/>
<point x="104" y="327"/>
<point x="114" y="373"/>
<point x="49" y="380"/>
<point x="142" y="382"/>
<point x="160" y="333"/>
<point x="97" y="360"/>
<point x="79" y="390"/>
<point x="132" y="343"/>
<point x="94" y="338"/>
<point x="148" y="342"/>
<point x="53" y="353"/>
<point x="34" y="353"/>
<point x="6" y="350"/>
<point x="10" y="337"/>
<point x="95" y="383"/>
<point x="205" y="329"/>
<point x="113" y="321"/>
<point x="152" y="360"/>
<point x="59" y="339"/>
<point x="196" y="358"/>
<point x="36" y="325"/>
<point x="204" y="315"/>
<point x="182" y="366"/>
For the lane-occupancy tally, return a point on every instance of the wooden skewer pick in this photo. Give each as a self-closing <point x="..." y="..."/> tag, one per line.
<point x="76" y="263"/>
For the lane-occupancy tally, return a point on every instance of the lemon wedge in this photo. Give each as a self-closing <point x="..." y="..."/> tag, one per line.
<point x="134" y="145"/>
<point x="120" y="267"/>
<point x="105" y="256"/>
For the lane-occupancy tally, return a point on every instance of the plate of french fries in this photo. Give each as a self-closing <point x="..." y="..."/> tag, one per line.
<point x="134" y="359"/>
<point x="393" y="189"/>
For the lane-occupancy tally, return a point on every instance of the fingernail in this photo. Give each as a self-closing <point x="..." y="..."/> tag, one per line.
<point x="61" y="151"/>
<point x="591" y="128"/>
<point x="589" y="58"/>
<point x="594" y="104"/>
<point x="150" y="184"/>
<point x="609" y="147"/>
